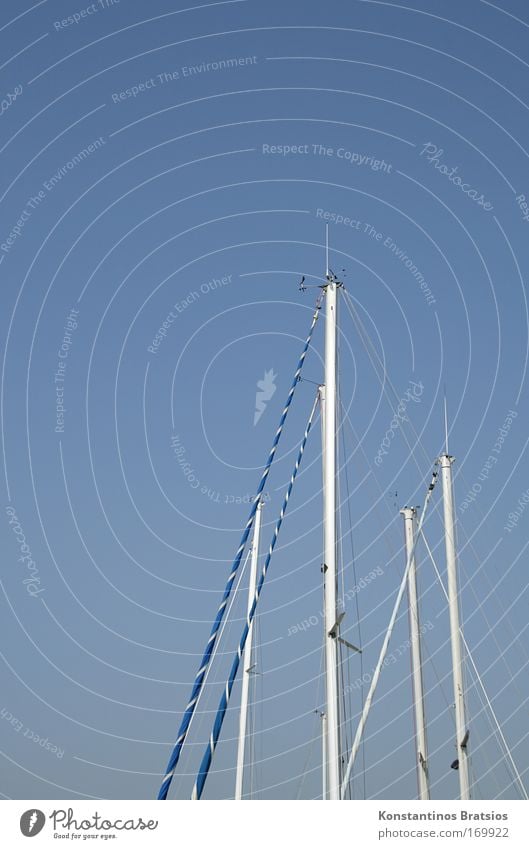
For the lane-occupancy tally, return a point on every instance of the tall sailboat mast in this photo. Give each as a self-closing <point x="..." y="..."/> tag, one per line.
<point x="328" y="416"/>
<point x="248" y="656"/>
<point x="410" y="514"/>
<point x="445" y="462"/>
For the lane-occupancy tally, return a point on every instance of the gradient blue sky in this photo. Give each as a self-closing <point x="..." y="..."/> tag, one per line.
<point x="179" y="191"/>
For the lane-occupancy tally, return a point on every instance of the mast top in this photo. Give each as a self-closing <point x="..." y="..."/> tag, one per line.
<point x="446" y="424"/>
<point x="330" y="276"/>
<point x="446" y="456"/>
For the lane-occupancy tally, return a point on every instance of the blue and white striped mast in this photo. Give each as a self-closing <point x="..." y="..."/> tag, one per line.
<point x="216" y="628"/>
<point x="205" y="765"/>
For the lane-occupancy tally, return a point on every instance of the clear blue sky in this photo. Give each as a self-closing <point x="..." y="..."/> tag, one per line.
<point x="166" y="164"/>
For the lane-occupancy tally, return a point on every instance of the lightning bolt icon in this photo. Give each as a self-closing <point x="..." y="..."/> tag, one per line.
<point x="32" y="820"/>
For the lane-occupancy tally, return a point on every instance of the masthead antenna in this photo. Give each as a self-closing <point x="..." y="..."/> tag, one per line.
<point x="446" y="423"/>
<point x="326" y="250"/>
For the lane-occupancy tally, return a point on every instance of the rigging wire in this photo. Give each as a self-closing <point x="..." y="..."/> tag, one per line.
<point x="429" y="657"/>
<point x="365" y="336"/>
<point x="515" y="636"/>
<point x="313" y="736"/>
<point x="478" y="676"/>
<point x="256" y="705"/>
<point x="384" y="380"/>
<point x="357" y="606"/>
<point x="450" y="713"/>
<point x="392" y="557"/>
<point x="449" y="710"/>
<point x="392" y="554"/>
<point x="317" y="721"/>
<point x="480" y="746"/>
<point x="343" y="664"/>
<point x="491" y="632"/>
<point x="385" y="644"/>
<point x="343" y="653"/>
<point x="391" y="550"/>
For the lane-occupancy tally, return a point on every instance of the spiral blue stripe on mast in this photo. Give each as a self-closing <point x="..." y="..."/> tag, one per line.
<point x="210" y="645"/>
<point x="221" y="711"/>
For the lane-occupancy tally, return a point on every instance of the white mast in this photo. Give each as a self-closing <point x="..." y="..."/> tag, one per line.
<point x="328" y="416"/>
<point x="410" y="514"/>
<point x="445" y="461"/>
<point x="247" y="658"/>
